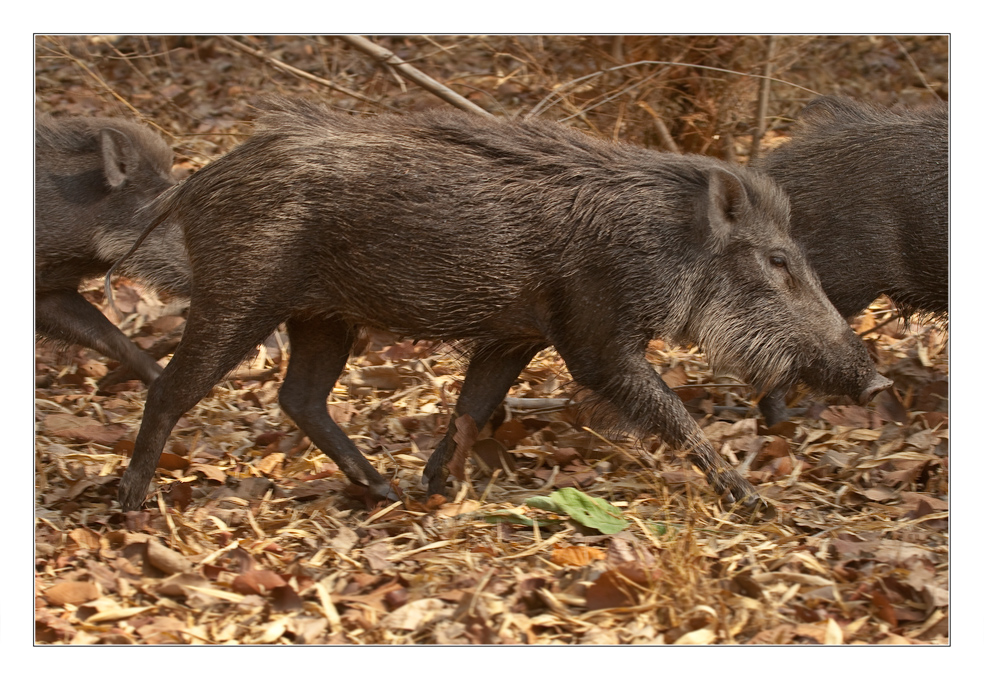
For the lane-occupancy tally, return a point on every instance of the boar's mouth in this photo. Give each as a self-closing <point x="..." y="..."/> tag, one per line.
<point x="878" y="384"/>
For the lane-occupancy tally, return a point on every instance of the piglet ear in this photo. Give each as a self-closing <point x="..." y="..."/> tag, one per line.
<point x="726" y="200"/>
<point x="117" y="156"/>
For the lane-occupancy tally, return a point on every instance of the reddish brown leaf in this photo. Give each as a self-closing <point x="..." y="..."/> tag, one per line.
<point x="435" y="501"/>
<point x="170" y="461"/>
<point x="342" y="412"/>
<point x="180" y="495"/>
<point x="691" y="393"/>
<point x="774" y="447"/>
<point x="510" y="433"/>
<point x="785" y="429"/>
<point x="324" y="474"/>
<point x="180" y="585"/>
<point x="285" y="599"/>
<point x="396" y="598"/>
<point x="932" y="395"/>
<point x="265" y="439"/>
<point x="71" y="592"/>
<point x="563" y="456"/>
<point x="163" y="630"/>
<point x="609" y="590"/>
<point x="883" y="608"/>
<point x="494" y="455"/>
<point x="82" y="429"/>
<point x="85" y="538"/>
<point x="123" y="447"/>
<point x="376" y="599"/>
<point x="673" y="477"/>
<point x="890" y="408"/>
<point x="850" y="416"/>
<point x="257" y="582"/>
<point x="91" y="369"/>
<point x="210" y="471"/>
<point x="576" y="555"/>
<point x="675" y="377"/>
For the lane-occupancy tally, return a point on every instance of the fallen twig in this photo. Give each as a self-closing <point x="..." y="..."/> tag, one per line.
<point x="537" y="403"/>
<point x="893" y="317"/>
<point x="545" y="103"/>
<point x="296" y="71"/>
<point x="384" y="56"/>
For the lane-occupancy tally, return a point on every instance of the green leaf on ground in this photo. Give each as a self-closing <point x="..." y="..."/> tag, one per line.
<point x="596" y="513"/>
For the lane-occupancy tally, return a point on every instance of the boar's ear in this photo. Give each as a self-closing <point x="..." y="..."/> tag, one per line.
<point x="117" y="155"/>
<point x="726" y="199"/>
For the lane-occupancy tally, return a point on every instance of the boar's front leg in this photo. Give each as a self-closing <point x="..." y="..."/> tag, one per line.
<point x="215" y="341"/>
<point x="621" y="377"/>
<point x="318" y="350"/>
<point x="492" y="370"/>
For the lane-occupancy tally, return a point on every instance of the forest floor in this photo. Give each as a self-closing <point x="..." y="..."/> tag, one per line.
<point x="253" y="536"/>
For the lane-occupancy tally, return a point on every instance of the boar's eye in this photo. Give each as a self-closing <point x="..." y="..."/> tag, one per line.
<point x="777" y="261"/>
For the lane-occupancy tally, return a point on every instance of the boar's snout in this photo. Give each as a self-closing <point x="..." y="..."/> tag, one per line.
<point x="878" y="384"/>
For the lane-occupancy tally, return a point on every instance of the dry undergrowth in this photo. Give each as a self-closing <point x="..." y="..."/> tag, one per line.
<point x="254" y="536"/>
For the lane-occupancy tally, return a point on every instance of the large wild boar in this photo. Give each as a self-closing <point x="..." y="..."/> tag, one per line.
<point x="505" y="236"/>
<point x="869" y="192"/>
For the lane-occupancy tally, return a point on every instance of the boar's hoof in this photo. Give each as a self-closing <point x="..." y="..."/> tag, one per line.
<point x="132" y="495"/>
<point x="383" y="491"/>
<point x="434" y="482"/>
<point x="878" y="384"/>
<point x="735" y="490"/>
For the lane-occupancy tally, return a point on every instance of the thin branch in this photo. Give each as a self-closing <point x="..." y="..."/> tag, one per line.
<point x="915" y="66"/>
<point x="102" y="83"/>
<point x="763" y="99"/>
<point x="894" y="317"/>
<point x="665" y="138"/>
<point x="542" y="105"/>
<point x="384" y="56"/>
<point x="259" y="54"/>
<point x="615" y="95"/>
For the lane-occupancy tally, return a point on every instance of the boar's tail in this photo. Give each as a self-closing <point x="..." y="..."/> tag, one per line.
<point x="163" y="206"/>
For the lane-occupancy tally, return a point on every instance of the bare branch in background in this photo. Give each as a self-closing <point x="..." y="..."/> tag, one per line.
<point x="665" y="138"/>
<point x="384" y="56"/>
<point x="763" y="98"/>
<point x="296" y="71"/>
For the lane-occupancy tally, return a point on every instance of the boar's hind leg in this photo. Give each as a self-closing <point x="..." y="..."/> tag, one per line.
<point x="67" y="316"/>
<point x="491" y="372"/>
<point x="318" y="351"/>
<point x="645" y="404"/>
<point x="214" y="343"/>
<point x="773" y="406"/>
